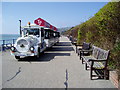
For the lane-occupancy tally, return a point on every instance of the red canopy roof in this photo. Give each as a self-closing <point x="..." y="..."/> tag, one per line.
<point x="43" y="23"/>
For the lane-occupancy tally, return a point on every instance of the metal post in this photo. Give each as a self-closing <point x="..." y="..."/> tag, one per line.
<point x="13" y="42"/>
<point x="3" y="48"/>
<point x="20" y="28"/>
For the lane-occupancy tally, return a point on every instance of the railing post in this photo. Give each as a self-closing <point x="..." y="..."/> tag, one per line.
<point x="13" y="42"/>
<point x="3" y="47"/>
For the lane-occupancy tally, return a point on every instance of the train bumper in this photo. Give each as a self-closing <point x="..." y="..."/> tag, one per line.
<point x="22" y="54"/>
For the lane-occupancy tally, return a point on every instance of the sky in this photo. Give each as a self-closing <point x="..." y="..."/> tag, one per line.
<point x="59" y="14"/>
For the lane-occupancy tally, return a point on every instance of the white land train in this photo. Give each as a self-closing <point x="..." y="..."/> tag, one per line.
<point x="51" y="37"/>
<point x="31" y="42"/>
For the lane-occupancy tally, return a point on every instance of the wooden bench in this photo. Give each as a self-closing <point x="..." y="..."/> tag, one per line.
<point x="97" y="61"/>
<point x="83" y="49"/>
<point x="84" y="46"/>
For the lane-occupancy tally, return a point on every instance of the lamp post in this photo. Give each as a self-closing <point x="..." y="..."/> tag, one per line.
<point x="20" y="28"/>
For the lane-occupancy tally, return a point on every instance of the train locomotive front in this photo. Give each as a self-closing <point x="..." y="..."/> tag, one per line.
<point x="31" y="43"/>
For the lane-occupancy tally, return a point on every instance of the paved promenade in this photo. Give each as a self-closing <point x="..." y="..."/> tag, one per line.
<point x="59" y="67"/>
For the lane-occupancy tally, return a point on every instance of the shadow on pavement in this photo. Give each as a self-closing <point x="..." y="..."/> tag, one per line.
<point x="63" y="44"/>
<point x="51" y="53"/>
<point x="44" y="57"/>
<point x="66" y="82"/>
<point x="61" y="49"/>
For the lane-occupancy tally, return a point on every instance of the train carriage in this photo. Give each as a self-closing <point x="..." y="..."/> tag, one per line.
<point x="51" y="37"/>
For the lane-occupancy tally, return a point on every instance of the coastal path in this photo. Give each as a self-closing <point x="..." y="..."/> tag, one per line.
<point x="58" y="67"/>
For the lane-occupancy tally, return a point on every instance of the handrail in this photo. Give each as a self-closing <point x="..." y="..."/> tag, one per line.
<point x="6" y="44"/>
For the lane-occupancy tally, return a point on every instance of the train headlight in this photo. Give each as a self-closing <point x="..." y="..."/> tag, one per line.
<point x="13" y="49"/>
<point x="32" y="49"/>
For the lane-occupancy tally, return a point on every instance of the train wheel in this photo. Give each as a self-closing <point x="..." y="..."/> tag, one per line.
<point x="43" y="52"/>
<point x="17" y="57"/>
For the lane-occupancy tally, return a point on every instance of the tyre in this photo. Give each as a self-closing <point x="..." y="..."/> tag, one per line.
<point x="43" y="52"/>
<point x="17" y="57"/>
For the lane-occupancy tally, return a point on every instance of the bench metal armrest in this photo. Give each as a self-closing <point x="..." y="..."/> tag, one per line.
<point x="97" y="60"/>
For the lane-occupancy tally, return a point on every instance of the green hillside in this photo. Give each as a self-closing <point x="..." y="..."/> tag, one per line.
<point x="102" y="30"/>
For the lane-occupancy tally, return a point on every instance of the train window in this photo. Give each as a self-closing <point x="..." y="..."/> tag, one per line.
<point x="47" y="34"/>
<point x="57" y="34"/>
<point x="30" y="31"/>
<point x="33" y="32"/>
<point x="54" y="34"/>
<point x="51" y="34"/>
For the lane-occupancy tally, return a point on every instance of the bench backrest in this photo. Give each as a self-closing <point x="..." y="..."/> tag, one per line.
<point x="99" y="53"/>
<point x="86" y="46"/>
<point x="95" y="51"/>
<point x="103" y="54"/>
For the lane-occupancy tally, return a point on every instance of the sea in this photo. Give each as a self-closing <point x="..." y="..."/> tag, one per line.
<point x="8" y="38"/>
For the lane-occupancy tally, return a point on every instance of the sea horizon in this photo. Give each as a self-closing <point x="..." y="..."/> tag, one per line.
<point x="9" y="36"/>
